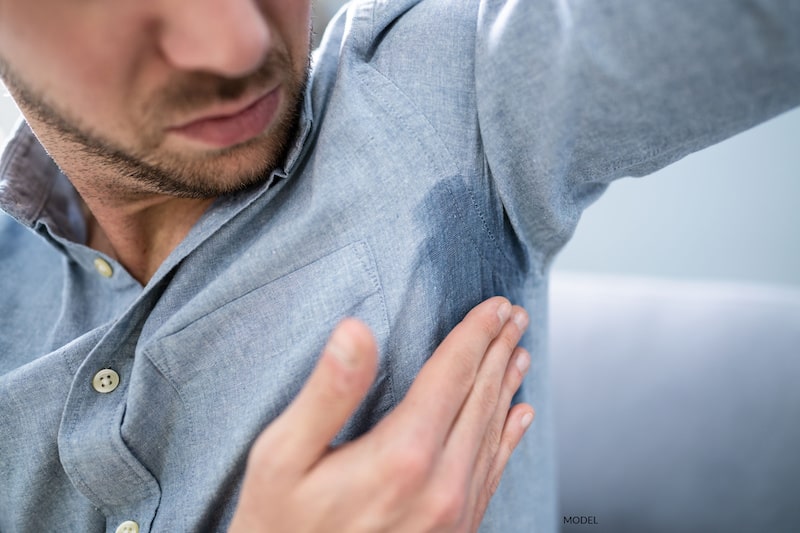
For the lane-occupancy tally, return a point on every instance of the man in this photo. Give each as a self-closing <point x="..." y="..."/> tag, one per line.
<point x="207" y="226"/>
<point x="206" y="123"/>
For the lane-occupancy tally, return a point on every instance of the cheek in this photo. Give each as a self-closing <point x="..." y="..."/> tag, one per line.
<point x="93" y="89"/>
<point x="76" y="66"/>
<point x="292" y="20"/>
<point x="111" y="85"/>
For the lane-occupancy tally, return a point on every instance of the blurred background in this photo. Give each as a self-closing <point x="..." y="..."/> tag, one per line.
<point x="730" y="212"/>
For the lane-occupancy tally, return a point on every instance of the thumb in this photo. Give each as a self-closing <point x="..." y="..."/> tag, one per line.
<point x="300" y="436"/>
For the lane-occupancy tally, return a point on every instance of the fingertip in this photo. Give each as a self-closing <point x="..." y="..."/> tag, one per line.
<point x="352" y="356"/>
<point x="520" y="318"/>
<point x="526" y="419"/>
<point x="342" y="377"/>
<point x="522" y="360"/>
<point x="519" y="420"/>
<point x="488" y="317"/>
<point x="352" y="343"/>
<point x="504" y="308"/>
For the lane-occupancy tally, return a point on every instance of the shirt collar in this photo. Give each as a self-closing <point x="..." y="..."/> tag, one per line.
<point x="34" y="191"/>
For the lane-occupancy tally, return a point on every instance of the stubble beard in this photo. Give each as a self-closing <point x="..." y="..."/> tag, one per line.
<point x="146" y="170"/>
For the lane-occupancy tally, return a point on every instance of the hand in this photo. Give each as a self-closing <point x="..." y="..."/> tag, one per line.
<point x="432" y="464"/>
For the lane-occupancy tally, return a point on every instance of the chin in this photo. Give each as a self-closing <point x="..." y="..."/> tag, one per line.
<point x="225" y="171"/>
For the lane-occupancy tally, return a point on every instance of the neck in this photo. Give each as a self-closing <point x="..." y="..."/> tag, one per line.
<point x="126" y="219"/>
<point x="141" y="234"/>
<point x="136" y="226"/>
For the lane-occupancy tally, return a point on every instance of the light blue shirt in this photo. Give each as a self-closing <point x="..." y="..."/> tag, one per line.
<point x="446" y="151"/>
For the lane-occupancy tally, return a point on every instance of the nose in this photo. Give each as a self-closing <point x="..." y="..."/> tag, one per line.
<point x="225" y="37"/>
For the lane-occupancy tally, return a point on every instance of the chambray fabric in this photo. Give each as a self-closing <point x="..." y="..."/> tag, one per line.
<point x="446" y="150"/>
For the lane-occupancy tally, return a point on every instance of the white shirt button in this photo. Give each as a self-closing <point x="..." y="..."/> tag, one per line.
<point x="102" y="266"/>
<point x="128" y="526"/>
<point x="106" y="381"/>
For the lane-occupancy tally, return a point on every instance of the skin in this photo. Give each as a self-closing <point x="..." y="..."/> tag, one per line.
<point x="432" y="464"/>
<point x="103" y="85"/>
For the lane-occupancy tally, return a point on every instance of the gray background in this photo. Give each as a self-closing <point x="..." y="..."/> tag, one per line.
<point x="729" y="212"/>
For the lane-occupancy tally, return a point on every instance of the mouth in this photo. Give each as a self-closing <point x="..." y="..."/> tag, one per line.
<point x="228" y="127"/>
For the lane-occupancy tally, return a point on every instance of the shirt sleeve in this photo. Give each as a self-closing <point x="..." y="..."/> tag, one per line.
<point x="572" y="94"/>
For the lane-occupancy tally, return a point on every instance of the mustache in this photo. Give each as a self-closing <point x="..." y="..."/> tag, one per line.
<point x="197" y="90"/>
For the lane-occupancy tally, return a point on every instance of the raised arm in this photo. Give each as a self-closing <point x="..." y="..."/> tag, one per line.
<point x="575" y="93"/>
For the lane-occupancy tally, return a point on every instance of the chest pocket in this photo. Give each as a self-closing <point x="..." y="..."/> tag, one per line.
<point x="235" y="366"/>
<point x="263" y="322"/>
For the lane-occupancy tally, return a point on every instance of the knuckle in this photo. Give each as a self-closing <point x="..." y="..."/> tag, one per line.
<point x="489" y="395"/>
<point x="447" y="508"/>
<point x="509" y="339"/>
<point x="263" y="454"/>
<point x="489" y="326"/>
<point x="464" y="366"/>
<point x="483" y="323"/>
<point x="409" y="469"/>
<point x="492" y="439"/>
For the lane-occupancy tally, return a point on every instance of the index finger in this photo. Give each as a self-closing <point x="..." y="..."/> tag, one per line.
<point x="439" y="391"/>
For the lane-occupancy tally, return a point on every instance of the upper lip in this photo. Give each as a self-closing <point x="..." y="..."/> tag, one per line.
<point x="226" y="110"/>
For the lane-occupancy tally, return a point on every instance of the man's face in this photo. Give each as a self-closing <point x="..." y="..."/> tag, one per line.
<point x="192" y="98"/>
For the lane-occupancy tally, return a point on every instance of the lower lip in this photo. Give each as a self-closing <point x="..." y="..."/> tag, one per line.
<point x="224" y="132"/>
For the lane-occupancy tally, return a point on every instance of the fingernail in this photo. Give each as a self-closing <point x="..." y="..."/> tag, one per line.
<point x="503" y="311"/>
<point x="526" y="420"/>
<point x="523" y="362"/>
<point x="340" y="347"/>
<point x="521" y="319"/>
